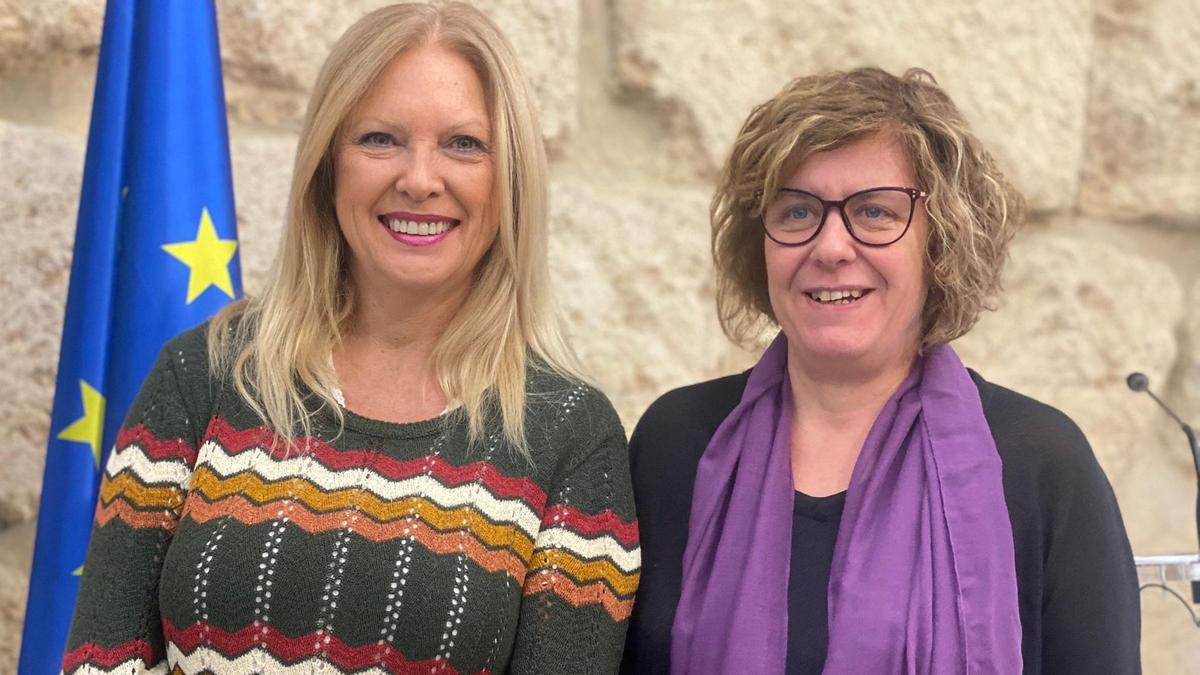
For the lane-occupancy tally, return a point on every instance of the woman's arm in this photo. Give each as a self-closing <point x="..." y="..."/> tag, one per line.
<point x="117" y="625"/>
<point x="579" y="591"/>
<point x="1090" y="606"/>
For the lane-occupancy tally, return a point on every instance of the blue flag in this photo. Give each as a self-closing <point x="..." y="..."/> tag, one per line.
<point x="155" y="253"/>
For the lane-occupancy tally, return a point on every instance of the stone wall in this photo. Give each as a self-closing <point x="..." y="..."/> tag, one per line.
<point x="1093" y="106"/>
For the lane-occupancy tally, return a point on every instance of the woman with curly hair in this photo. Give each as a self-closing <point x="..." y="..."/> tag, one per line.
<point x="859" y="501"/>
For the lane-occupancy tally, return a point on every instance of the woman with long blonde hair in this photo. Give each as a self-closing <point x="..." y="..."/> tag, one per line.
<point x="388" y="458"/>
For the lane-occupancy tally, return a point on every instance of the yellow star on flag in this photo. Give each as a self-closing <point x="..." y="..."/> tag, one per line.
<point x="88" y="429"/>
<point x="208" y="257"/>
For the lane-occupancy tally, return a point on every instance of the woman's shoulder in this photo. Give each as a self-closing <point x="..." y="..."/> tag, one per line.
<point x="672" y="434"/>
<point x="187" y="352"/>
<point x="1042" y="449"/>
<point x="545" y="385"/>
<point x="175" y="398"/>
<point x="556" y="402"/>
<point x="701" y="406"/>
<point x="188" y="358"/>
<point x="191" y="341"/>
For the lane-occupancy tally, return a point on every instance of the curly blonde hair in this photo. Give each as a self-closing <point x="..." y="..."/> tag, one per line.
<point x="973" y="210"/>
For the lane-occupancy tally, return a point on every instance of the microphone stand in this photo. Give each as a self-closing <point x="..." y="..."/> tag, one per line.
<point x="1139" y="382"/>
<point x="1191" y="436"/>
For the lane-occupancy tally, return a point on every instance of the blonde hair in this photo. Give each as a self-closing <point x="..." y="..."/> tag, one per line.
<point x="284" y="340"/>
<point x="973" y="211"/>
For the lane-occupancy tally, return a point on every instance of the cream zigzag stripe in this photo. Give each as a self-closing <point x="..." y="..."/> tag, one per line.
<point x="150" y="471"/>
<point x="590" y="549"/>
<point x="496" y="509"/>
<point x="133" y="666"/>
<point x="257" y="660"/>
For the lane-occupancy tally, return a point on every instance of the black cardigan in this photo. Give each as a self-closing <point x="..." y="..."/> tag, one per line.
<point x="1076" y="582"/>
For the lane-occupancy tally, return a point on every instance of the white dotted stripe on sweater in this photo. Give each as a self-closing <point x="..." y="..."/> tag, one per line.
<point x="337" y="566"/>
<point x="201" y="578"/>
<point x="403" y="566"/>
<point x="462" y="575"/>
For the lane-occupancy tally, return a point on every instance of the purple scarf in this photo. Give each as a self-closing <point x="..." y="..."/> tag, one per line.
<point x="923" y="577"/>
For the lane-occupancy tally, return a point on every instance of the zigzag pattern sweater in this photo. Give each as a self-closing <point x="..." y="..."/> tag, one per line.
<point x="385" y="548"/>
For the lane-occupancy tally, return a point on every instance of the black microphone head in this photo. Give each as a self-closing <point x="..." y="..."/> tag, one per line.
<point x="1138" y="382"/>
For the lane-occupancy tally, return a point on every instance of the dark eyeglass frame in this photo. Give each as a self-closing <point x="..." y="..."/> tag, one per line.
<point x="827" y="205"/>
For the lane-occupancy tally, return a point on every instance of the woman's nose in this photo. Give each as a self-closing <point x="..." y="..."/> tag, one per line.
<point x="834" y="245"/>
<point x="420" y="177"/>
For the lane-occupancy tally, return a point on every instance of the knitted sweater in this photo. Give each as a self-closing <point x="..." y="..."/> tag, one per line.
<point x="383" y="548"/>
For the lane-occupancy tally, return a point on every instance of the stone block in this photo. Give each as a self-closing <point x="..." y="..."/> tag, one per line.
<point x="1143" y="121"/>
<point x="31" y="31"/>
<point x="1170" y="641"/>
<point x="1076" y="318"/>
<point x="41" y="174"/>
<point x="16" y="554"/>
<point x="273" y="52"/>
<point x="546" y="38"/>
<point x="632" y="274"/>
<point x="1021" y="83"/>
<point x="262" y="173"/>
<point x="1189" y="374"/>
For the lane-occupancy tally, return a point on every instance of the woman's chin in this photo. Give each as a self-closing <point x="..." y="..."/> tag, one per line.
<point x="822" y="355"/>
<point x="842" y="343"/>
<point x="854" y="359"/>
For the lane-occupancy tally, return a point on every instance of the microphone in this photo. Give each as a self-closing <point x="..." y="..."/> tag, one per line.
<point x="1139" y="382"/>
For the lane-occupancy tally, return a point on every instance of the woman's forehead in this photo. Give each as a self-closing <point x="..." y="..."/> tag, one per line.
<point x="870" y="161"/>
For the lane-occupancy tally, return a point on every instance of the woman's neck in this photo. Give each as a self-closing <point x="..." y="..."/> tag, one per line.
<point x="832" y="413"/>
<point x="384" y="362"/>
<point x="843" y="396"/>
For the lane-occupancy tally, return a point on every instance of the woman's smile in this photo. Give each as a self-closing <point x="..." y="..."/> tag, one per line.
<point x="838" y="297"/>
<point x="415" y="229"/>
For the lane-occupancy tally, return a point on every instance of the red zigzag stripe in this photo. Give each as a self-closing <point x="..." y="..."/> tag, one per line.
<point x="158" y="449"/>
<point x="235" y="441"/>
<point x="107" y="657"/>
<point x="593" y="525"/>
<point x="293" y="649"/>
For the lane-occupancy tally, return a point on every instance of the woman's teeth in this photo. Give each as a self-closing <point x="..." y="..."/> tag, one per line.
<point x="423" y="228"/>
<point x="843" y="297"/>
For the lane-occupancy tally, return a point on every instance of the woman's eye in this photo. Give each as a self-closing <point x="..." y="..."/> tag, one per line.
<point x="873" y="211"/>
<point x="375" y="138"/>
<point x="798" y="213"/>
<point x="466" y="144"/>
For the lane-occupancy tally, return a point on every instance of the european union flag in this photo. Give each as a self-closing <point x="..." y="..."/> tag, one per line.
<point x="155" y="253"/>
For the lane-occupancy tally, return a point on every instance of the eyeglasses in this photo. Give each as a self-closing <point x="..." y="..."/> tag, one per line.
<point x="875" y="217"/>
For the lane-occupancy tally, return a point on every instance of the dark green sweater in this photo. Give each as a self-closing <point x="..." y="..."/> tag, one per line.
<point x="385" y="548"/>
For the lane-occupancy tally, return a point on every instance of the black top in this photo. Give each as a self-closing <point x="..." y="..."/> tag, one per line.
<point x="1076" y="583"/>
<point x="815" y="523"/>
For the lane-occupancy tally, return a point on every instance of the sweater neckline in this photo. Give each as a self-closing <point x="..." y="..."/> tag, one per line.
<point x="385" y="429"/>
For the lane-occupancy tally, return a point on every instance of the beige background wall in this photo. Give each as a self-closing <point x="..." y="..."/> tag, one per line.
<point x="1093" y="105"/>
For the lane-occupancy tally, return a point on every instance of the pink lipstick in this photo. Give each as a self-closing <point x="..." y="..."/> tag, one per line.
<point x="417" y="229"/>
